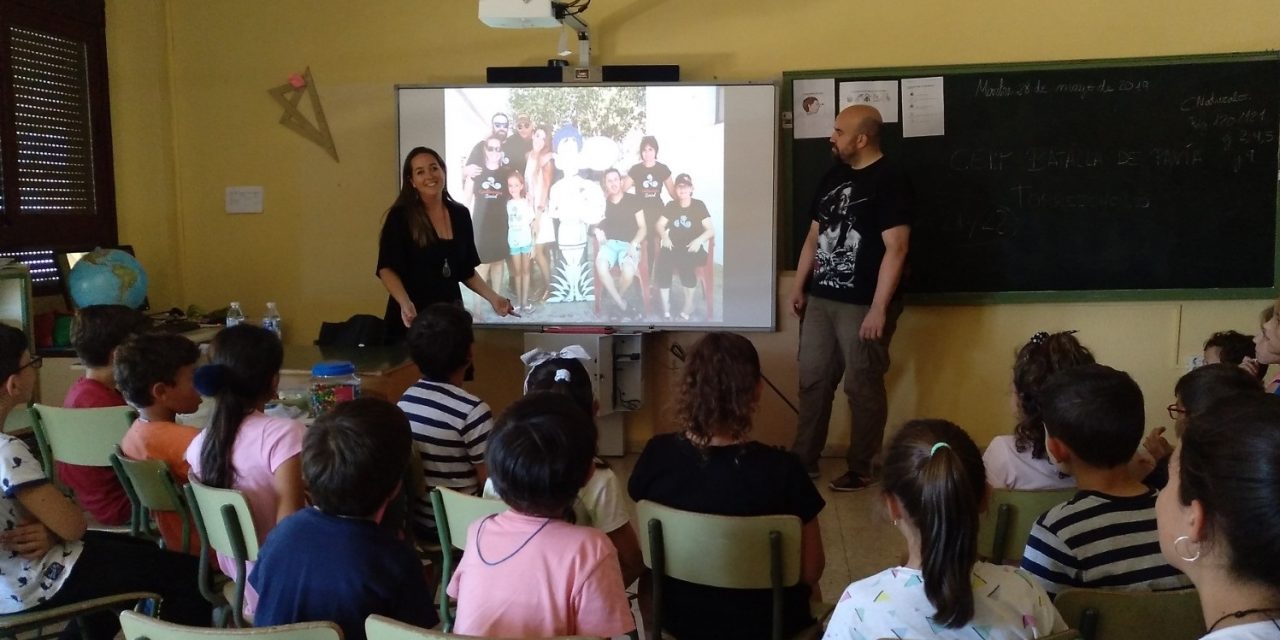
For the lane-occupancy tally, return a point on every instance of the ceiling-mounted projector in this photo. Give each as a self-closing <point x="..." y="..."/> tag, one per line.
<point x="519" y="14"/>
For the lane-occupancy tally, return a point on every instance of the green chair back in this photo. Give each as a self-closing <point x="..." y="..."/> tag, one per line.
<point x="454" y="512"/>
<point x="1069" y="634"/>
<point x="759" y="552"/>
<point x="18" y="423"/>
<point x="378" y="627"/>
<point x="225" y="524"/>
<point x="140" y="627"/>
<point x="151" y="489"/>
<point x="15" y="625"/>
<point x="79" y="436"/>
<point x="1111" y="615"/>
<point x="1006" y="525"/>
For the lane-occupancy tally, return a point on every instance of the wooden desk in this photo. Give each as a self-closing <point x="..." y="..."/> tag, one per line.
<point x="385" y="372"/>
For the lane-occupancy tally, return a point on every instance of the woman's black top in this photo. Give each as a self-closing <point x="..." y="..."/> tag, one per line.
<point x="430" y="274"/>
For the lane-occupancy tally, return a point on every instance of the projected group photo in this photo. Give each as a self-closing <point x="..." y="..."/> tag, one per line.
<point x="592" y="204"/>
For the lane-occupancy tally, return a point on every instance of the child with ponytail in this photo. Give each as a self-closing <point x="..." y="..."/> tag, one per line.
<point x="242" y="448"/>
<point x="599" y="504"/>
<point x="934" y="484"/>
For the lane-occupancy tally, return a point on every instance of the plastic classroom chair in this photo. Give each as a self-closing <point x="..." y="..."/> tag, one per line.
<point x="225" y="525"/>
<point x="151" y="489"/>
<point x="1006" y="524"/>
<point x="85" y="437"/>
<point x="1114" y="615"/>
<point x="378" y="627"/>
<point x="79" y="436"/>
<point x="728" y="552"/>
<point x="454" y="512"/>
<point x="14" y="624"/>
<point x="139" y="627"/>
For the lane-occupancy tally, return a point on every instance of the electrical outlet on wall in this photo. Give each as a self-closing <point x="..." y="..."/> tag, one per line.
<point x="244" y="199"/>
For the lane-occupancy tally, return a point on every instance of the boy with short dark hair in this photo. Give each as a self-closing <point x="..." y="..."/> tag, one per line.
<point x="333" y="561"/>
<point x="156" y="374"/>
<point x="450" y="426"/>
<point x="95" y="334"/>
<point x="1105" y="536"/>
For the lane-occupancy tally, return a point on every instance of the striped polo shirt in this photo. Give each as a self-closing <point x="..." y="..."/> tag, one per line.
<point x="1099" y="541"/>
<point x="450" y="433"/>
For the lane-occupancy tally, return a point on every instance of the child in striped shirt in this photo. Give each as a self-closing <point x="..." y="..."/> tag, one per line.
<point x="1105" y="536"/>
<point x="450" y="426"/>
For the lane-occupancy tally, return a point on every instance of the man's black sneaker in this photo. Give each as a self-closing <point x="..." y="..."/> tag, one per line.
<point x="850" y="482"/>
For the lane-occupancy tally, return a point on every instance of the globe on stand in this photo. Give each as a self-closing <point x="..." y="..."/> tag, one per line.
<point x="107" y="276"/>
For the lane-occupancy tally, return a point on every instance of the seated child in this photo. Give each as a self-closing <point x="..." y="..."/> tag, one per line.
<point x="933" y="488"/>
<point x="450" y="426"/>
<point x="333" y="561"/>
<point x="599" y="503"/>
<point x="50" y="560"/>
<point x="156" y="374"/>
<point x="243" y="448"/>
<point x="1195" y="392"/>
<point x="95" y="334"/>
<point x="711" y="465"/>
<point x="1019" y="461"/>
<point x="1231" y="347"/>
<point x="527" y="572"/>
<point x="1105" y="536"/>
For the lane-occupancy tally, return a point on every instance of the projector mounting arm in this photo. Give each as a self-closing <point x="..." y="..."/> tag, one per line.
<point x="573" y="21"/>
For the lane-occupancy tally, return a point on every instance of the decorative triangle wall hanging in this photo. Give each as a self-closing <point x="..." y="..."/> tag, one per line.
<point x="289" y="96"/>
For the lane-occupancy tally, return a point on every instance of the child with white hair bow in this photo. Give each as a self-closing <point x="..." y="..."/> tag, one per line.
<point x="599" y="503"/>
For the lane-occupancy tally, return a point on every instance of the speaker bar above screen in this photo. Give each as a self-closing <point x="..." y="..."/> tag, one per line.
<point x="607" y="73"/>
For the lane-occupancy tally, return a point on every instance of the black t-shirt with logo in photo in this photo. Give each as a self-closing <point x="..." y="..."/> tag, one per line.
<point x="490" y="214"/>
<point x="648" y="183"/>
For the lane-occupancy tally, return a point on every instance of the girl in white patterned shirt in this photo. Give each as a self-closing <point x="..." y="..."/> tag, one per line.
<point x="934" y="484"/>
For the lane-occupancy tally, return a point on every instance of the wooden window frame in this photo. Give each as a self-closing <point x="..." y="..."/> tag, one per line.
<point x="84" y="21"/>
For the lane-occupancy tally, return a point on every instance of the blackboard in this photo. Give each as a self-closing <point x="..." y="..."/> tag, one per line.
<point x="1114" y="179"/>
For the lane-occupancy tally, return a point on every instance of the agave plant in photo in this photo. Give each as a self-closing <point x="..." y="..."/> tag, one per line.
<point x="573" y="282"/>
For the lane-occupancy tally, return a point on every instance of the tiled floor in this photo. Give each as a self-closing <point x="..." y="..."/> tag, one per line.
<point x="857" y="537"/>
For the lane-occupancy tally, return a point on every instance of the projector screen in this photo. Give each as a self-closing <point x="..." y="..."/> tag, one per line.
<point x="621" y="205"/>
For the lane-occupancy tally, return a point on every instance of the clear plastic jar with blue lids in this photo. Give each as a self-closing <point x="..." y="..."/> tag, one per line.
<point x="332" y="382"/>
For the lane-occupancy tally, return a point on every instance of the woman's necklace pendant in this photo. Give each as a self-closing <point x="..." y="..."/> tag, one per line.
<point x="445" y="271"/>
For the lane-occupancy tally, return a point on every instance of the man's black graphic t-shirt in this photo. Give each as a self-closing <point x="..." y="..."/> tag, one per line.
<point x="852" y="208"/>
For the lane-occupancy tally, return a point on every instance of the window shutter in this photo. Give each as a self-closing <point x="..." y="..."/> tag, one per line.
<point x="56" y="179"/>
<point x="51" y="123"/>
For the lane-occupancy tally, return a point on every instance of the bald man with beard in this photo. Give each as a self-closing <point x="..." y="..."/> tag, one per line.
<point x="846" y="293"/>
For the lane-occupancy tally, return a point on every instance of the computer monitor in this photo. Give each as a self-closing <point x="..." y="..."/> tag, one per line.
<point x="68" y="259"/>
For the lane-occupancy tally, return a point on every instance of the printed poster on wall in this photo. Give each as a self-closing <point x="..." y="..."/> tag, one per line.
<point x="814" y="107"/>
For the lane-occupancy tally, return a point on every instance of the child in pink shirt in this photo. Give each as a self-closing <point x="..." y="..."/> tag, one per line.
<point x="243" y="449"/>
<point x="527" y="572"/>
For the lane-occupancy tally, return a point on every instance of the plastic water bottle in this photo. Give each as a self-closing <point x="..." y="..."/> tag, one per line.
<point x="271" y="320"/>
<point x="235" y="315"/>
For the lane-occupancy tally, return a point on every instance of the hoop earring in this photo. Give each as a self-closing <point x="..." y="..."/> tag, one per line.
<point x="1178" y="549"/>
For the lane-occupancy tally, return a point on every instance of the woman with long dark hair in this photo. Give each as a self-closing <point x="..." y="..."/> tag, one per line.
<point x="1218" y="520"/>
<point x="934" y="485"/>
<point x="427" y="246"/>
